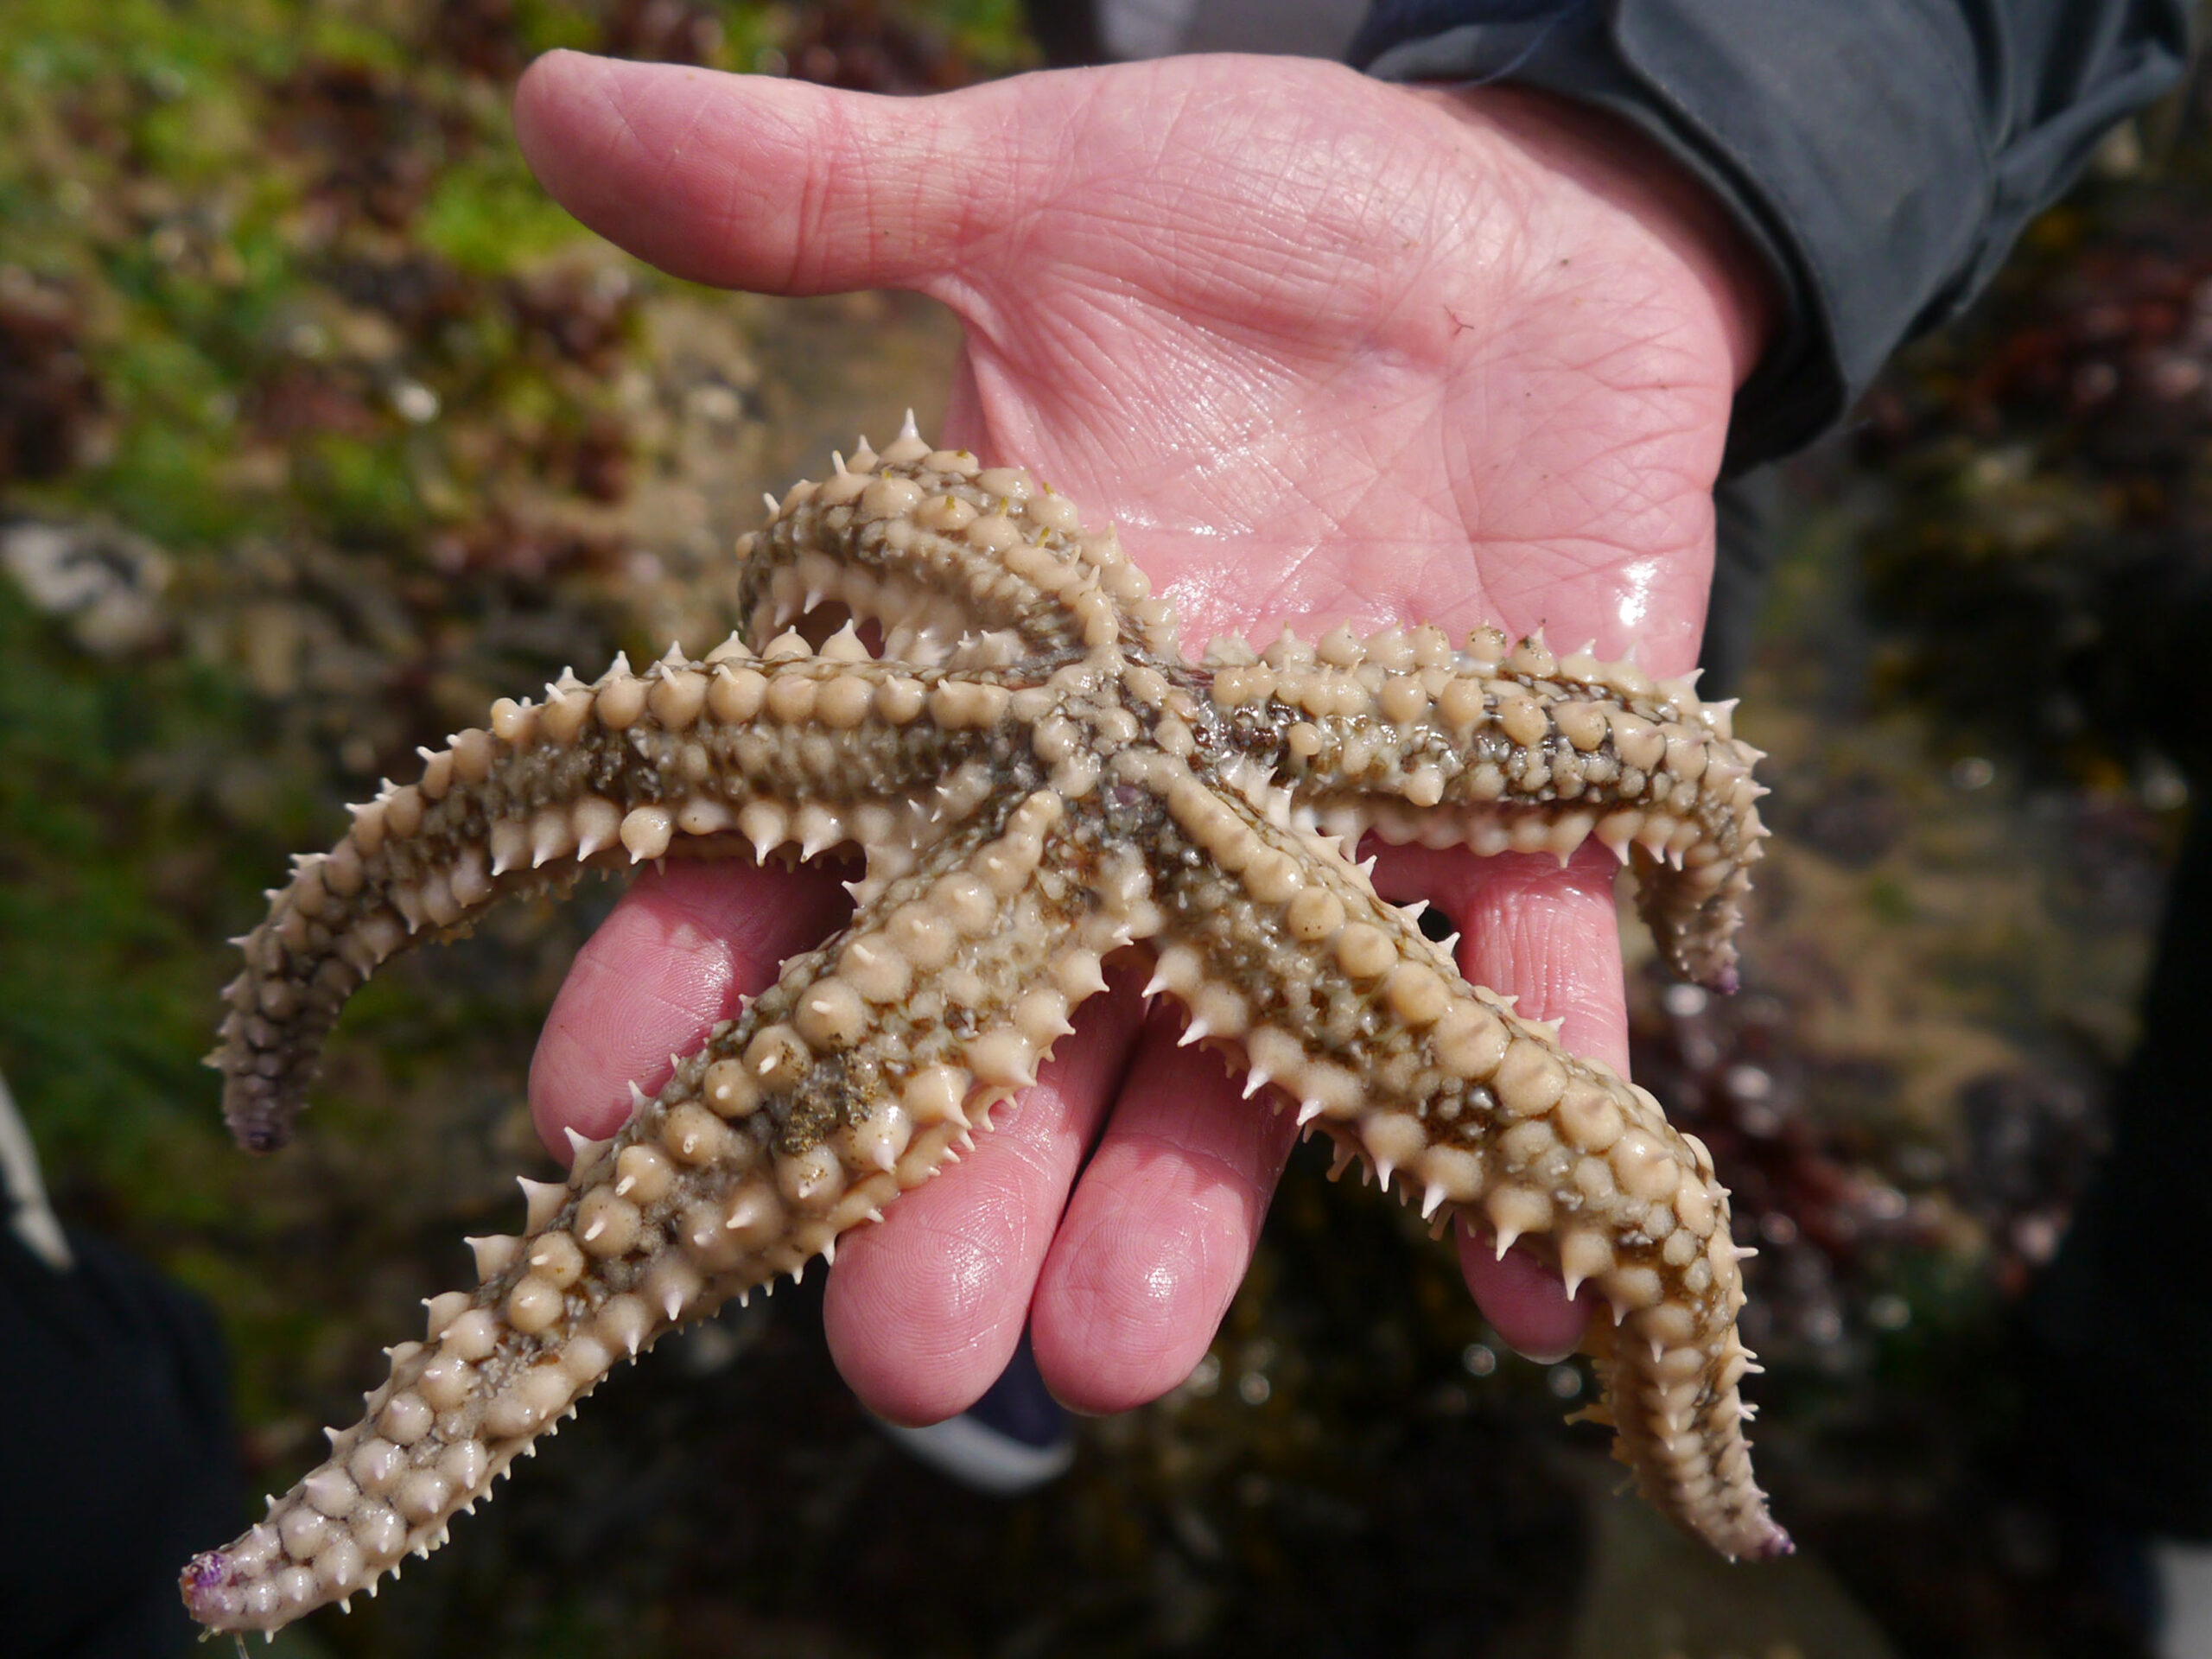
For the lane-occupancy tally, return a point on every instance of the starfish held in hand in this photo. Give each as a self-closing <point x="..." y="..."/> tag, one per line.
<point x="1039" y="780"/>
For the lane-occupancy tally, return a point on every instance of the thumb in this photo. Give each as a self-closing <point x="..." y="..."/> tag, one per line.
<point x="756" y="182"/>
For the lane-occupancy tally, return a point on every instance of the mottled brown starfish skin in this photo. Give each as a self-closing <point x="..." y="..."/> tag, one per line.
<point x="1037" y="779"/>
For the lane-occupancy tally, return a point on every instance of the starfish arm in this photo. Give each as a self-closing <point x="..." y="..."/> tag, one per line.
<point x="858" y="1075"/>
<point x="1284" y="955"/>
<point x="1499" y="747"/>
<point x="955" y="563"/>
<point x="734" y="755"/>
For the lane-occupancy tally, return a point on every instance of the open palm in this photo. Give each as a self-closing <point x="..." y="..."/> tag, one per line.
<point x="1325" y="349"/>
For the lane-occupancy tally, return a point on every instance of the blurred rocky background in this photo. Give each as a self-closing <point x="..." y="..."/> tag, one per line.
<point x="319" y="428"/>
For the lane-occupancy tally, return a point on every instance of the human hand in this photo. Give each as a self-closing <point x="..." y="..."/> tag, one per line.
<point x="1325" y="349"/>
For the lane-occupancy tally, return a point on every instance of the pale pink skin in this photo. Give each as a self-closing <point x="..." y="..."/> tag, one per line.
<point x="1325" y="349"/>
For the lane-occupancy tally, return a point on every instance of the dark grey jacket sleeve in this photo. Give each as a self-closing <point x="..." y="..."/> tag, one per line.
<point x="1882" y="154"/>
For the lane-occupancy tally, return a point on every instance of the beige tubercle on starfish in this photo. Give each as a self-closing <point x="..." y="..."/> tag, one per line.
<point x="1039" y="780"/>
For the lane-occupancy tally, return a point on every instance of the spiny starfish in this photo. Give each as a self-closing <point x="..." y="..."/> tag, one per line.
<point x="1038" y="779"/>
